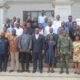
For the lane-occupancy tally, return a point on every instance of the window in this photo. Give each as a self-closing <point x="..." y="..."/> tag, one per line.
<point x="35" y="14"/>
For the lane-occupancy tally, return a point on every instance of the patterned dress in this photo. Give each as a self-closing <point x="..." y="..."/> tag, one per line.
<point x="50" y="54"/>
<point x="76" y="51"/>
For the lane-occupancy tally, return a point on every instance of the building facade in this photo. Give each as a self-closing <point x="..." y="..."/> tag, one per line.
<point x="22" y="8"/>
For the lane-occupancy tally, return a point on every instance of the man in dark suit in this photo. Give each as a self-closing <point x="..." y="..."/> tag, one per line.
<point x="37" y="50"/>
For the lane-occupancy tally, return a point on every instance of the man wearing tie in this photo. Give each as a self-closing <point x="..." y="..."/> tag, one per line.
<point x="37" y="50"/>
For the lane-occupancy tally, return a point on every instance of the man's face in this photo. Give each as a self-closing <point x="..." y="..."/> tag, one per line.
<point x="51" y="30"/>
<point x="64" y="33"/>
<point x="62" y="24"/>
<point x="43" y="13"/>
<point x="25" y="30"/>
<point x="75" y="26"/>
<point x="13" y="32"/>
<point x="3" y="35"/>
<point x="5" y="29"/>
<point x="28" y="25"/>
<point x="37" y="31"/>
<point x="50" y="23"/>
<point x="58" y="17"/>
<point x="17" y="25"/>
<point x="14" y="19"/>
<point x="70" y="18"/>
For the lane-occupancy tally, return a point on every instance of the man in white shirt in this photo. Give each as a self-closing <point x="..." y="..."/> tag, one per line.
<point x="41" y="19"/>
<point x="47" y="28"/>
<point x="19" y="30"/>
<point x="56" y="24"/>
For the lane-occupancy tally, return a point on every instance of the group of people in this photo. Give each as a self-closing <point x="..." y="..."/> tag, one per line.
<point x="41" y="40"/>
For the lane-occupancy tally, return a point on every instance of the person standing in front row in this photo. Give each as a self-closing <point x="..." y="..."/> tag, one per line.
<point x="14" y="51"/>
<point x="25" y="46"/>
<point x="50" y="53"/>
<point x="76" y="54"/>
<point x="37" y="50"/>
<point x="51" y="42"/>
<point x="64" y="46"/>
<point x="4" y="49"/>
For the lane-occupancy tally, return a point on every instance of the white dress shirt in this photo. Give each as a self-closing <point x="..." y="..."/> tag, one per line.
<point x="37" y="36"/>
<point x="19" y="31"/>
<point x="46" y="30"/>
<point x="56" y="25"/>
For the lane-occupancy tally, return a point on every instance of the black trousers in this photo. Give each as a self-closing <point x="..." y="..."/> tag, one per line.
<point x="24" y="61"/>
<point x="3" y="62"/>
<point x="37" y="57"/>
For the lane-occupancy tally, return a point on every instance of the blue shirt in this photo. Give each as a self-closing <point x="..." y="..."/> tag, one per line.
<point x="4" y="44"/>
<point x="60" y="30"/>
<point x="69" y="26"/>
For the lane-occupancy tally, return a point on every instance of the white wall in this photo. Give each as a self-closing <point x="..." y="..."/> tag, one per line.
<point x="63" y="10"/>
<point x="76" y="10"/>
<point x="17" y="9"/>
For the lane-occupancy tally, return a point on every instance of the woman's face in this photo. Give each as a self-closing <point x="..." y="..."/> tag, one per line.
<point x="51" y="37"/>
<point x="77" y="38"/>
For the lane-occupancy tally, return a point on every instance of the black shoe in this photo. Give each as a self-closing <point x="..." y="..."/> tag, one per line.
<point x="61" y="72"/>
<point x="48" y="71"/>
<point x="52" y="71"/>
<point x="4" y="70"/>
<point x="67" y="72"/>
<point x="22" y="71"/>
<point x="18" y="71"/>
<point x="11" y="71"/>
<point x="0" y="70"/>
<point x="34" y="71"/>
<point x="27" y="70"/>
<point x="41" y="71"/>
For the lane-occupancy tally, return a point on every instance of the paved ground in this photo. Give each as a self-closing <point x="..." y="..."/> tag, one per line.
<point x="39" y="76"/>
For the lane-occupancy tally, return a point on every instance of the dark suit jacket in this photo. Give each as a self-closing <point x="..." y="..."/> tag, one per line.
<point x="37" y="44"/>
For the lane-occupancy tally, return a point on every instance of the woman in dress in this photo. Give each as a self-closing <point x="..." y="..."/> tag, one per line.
<point x="50" y="53"/>
<point x="76" y="54"/>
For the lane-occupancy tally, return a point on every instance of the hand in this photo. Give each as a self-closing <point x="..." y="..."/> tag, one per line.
<point x="28" y="50"/>
<point x="43" y="51"/>
<point x="20" y="50"/>
<point x="31" y="52"/>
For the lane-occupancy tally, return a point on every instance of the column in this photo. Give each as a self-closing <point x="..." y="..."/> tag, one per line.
<point x="63" y="8"/>
<point x="2" y="14"/>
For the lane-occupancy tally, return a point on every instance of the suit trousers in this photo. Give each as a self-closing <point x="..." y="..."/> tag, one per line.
<point x="3" y="62"/>
<point x="37" y="57"/>
<point x="24" y="60"/>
